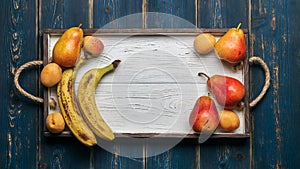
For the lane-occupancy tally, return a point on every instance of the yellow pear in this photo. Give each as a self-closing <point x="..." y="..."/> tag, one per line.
<point x="67" y="49"/>
<point x="231" y="47"/>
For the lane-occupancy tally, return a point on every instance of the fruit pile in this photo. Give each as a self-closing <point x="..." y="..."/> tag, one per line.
<point x="81" y="117"/>
<point x="228" y="91"/>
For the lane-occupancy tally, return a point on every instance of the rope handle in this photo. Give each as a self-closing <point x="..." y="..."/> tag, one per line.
<point x="267" y="79"/>
<point x="16" y="80"/>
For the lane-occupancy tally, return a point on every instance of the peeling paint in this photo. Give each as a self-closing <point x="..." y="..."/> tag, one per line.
<point x="144" y="10"/>
<point x="91" y="11"/>
<point x="277" y="113"/>
<point x="284" y="37"/>
<point x="273" y="48"/>
<point x="197" y="156"/>
<point x="116" y="160"/>
<point x="273" y="23"/>
<point x="9" y="150"/>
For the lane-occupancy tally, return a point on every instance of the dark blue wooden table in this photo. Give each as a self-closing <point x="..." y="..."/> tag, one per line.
<point x="275" y="121"/>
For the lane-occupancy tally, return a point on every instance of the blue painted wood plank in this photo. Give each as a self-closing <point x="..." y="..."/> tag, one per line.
<point x="64" y="14"/>
<point x="117" y="14"/>
<point x="171" y="14"/>
<point x="64" y="152"/>
<point x="223" y="13"/>
<point x="17" y="117"/>
<point x="292" y="141"/>
<point x="275" y="119"/>
<point x="183" y="155"/>
<point x="129" y="13"/>
<point x="225" y="153"/>
<point x="118" y="158"/>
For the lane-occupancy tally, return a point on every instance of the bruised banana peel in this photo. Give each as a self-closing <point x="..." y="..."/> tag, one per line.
<point x="87" y="103"/>
<point x="70" y="112"/>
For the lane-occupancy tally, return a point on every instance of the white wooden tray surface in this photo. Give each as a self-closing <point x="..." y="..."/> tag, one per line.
<point x="156" y="85"/>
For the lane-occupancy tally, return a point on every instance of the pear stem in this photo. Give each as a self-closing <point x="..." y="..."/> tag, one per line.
<point x="79" y="25"/>
<point x="239" y="25"/>
<point x="203" y="74"/>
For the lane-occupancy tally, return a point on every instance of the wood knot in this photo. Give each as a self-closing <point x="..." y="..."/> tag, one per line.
<point x="239" y="156"/>
<point x="108" y="9"/>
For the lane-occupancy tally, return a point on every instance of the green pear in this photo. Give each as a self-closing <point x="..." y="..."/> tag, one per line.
<point x="67" y="49"/>
<point x="231" y="47"/>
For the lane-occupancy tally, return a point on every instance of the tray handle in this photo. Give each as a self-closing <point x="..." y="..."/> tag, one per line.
<point x="267" y="79"/>
<point x="16" y="80"/>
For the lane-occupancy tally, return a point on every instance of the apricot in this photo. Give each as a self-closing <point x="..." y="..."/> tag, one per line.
<point x="229" y="120"/>
<point x="55" y="122"/>
<point x="204" y="43"/>
<point x="51" y="74"/>
<point x="92" y="45"/>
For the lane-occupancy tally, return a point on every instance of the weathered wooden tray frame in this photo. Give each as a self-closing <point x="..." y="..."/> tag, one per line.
<point x="149" y="32"/>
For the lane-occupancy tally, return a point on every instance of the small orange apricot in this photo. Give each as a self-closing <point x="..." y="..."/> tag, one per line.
<point x="204" y="43"/>
<point x="229" y="120"/>
<point x="51" y="74"/>
<point x="55" y="122"/>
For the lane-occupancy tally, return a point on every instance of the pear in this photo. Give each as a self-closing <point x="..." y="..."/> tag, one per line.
<point x="204" y="116"/>
<point x="228" y="91"/>
<point x="231" y="47"/>
<point x="67" y="49"/>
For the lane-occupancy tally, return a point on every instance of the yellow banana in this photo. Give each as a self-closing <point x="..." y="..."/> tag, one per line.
<point x="70" y="112"/>
<point x="87" y="103"/>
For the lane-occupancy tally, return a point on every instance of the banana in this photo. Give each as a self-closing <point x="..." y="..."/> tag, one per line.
<point x="87" y="103"/>
<point x="70" y="112"/>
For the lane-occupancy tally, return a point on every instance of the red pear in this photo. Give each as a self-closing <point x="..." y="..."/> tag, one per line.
<point x="204" y="116"/>
<point x="231" y="47"/>
<point x="228" y="91"/>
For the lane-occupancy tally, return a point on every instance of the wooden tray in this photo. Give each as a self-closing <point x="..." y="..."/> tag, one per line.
<point x="155" y="87"/>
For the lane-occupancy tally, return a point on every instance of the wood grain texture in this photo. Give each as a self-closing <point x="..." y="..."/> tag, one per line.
<point x="125" y="155"/>
<point x="18" y="115"/>
<point x="183" y="155"/>
<point x="275" y="127"/>
<point x="223" y="13"/>
<point x="170" y="14"/>
<point x="224" y="153"/>
<point x="63" y="153"/>
<point x="117" y="14"/>
<point x="64" y="14"/>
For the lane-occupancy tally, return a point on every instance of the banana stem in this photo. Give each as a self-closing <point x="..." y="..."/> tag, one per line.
<point x="116" y="63"/>
<point x="203" y="74"/>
